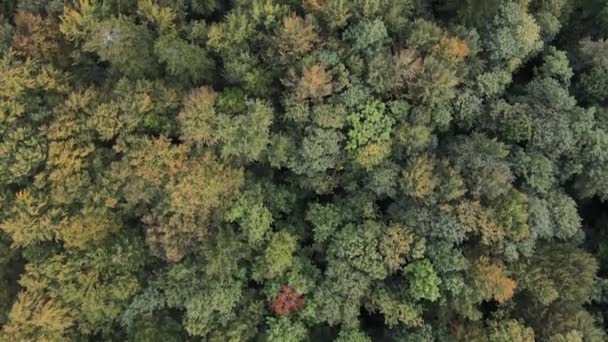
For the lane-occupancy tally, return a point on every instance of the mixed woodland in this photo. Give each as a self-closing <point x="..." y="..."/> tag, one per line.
<point x="304" y="170"/>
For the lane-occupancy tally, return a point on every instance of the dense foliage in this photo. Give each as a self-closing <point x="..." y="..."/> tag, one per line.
<point x="303" y="170"/>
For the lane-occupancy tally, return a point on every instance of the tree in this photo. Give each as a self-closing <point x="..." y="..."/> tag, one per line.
<point x="556" y="65"/>
<point x="595" y="65"/>
<point x="565" y="220"/>
<point x="396" y="15"/>
<point x="395" y="246"/>
<point x="513" y="122"/>
<point x="423" y="281"/>
<point x="497" y="331"/>
<point x="481" y="221"/>
<point x="183" y="59"/>
<point x="369" y="125"/>
<point x="136" y="107"/>
<point x="339" y="296"/>
<point x="510" y="330"/>
<point x="287" y="301"/>
<point x="473" y="12"/>
<point x="329" y="115"/>
<point x="418" y="179"/>
<point x="325" y="220"/>
<point x="37" y="37"/>
<point x="188" y="195"/>
<point x="535" y="169"/>
<point x="94" y="285"/>
<point x="314" y="84"/>
<point x="432" y="90"/>
<point x="295" y="38"/>
<point x="352" y="335"/>
<point x="198" y="120"/>
<point x="6" y="32"/>
<point x="232" y="33"/>
<point x="366" y="36"/>
<point x="320" y="151"/>
<point x="215" y="283"/>
<point x="491" y="281"/>
<point x="336" y="12"/>
<point x="26" y="226"/>
<point x="278" y="256"/>
<point x="156" y="329"/>
<point x="556" y="111"/>
<point x="512" y="214"/>
<point x="483" y="161"/>
<point x="511" y="36"/>
<point x="25" y="87"/>
<point x="428" y="179"/>
<point x="394" y="307"/>
<point x="284" y="329"/>
<point x="163" y="17"/>
<point x="245" y="135"/>
<point x="358" y="246"/>
<point x="253" y="216"/>
<point x="125" y="45"/>
<point x="11" y="266"/>
<point x="34" y="318"/>
<point x="573" y="280"/>
<point x="369" y="134"/>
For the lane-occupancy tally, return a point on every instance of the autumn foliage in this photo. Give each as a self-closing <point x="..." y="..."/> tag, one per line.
<point x="304" y="170"/>
<point x="287" y="301"/>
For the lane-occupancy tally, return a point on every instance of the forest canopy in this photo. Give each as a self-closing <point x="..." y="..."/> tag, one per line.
<point x="304" y="170"/>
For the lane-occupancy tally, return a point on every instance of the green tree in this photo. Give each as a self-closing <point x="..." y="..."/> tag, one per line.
<point x="572" y="281"/>
<point x="94" y="285"/>
<point x="338" y="298"/>
<point x="11" y="265"/>
<point x="245" y="134"/>
<point x="182" y="59"/>
<point x="212" y="291"/>
<point x="512" y="214"/>
<point x="366" y="36"/>
<point x="253" y="217"/>
<point x="156" y="329"/>
<point x="325" y="220"/>
<point x="284" y="329"/>
<point x="473" y="12"/>
<point x="278" y="256"/>
<point x="125" y="45"/>
<point x="511" y="36"/>
<point x="423" y="281"/>
<point x="359" y="247"/>
<point x="320" y="150"/>
<point x="483" y="162"/>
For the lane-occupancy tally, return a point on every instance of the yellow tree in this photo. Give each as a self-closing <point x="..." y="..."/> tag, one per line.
<point x="295" y="38"/>
<point x="36" y="318"/>
<point x="491" y="281"/>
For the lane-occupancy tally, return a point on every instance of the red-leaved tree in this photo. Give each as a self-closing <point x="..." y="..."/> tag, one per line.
<point x="287" y="301"/>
